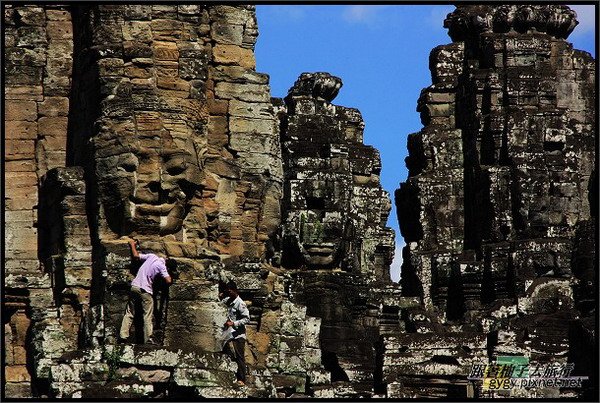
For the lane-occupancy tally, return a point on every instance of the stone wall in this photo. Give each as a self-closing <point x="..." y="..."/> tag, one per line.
<point x="160" y="130"/>
<point x="498" y="189"/>
<point x="37" y="76"/>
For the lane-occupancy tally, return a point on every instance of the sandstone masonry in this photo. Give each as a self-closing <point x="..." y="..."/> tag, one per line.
<point x="498" y="197"/>
<point x="150" y="121"/>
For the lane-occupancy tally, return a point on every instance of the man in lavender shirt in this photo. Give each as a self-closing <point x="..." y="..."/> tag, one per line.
<point x="141" y="291"/>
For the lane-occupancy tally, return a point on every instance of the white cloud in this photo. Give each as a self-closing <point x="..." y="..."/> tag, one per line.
<point x="586" y="15"/>
<point x="397" y="263"/>
<point x="361" y="14"/>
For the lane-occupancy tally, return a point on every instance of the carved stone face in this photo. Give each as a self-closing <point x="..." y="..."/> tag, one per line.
<point x="147" y="179"/>
<point x="319" y="220"/>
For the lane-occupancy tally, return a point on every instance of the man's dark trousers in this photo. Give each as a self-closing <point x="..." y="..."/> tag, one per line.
<point x="236" y="348"/>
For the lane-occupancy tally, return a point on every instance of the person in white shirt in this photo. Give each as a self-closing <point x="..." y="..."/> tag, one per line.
<point x="237" y="318"/>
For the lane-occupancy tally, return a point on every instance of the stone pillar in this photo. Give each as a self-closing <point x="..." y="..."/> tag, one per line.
<point x="184" y="151"/>
<point x="243" y="166"/>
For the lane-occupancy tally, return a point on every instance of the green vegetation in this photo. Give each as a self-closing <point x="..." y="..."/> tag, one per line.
<point x="113" y="359"/>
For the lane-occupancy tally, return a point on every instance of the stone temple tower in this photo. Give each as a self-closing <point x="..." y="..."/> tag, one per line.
<point x="150" y="121"/>
<point x="497" y="207"/>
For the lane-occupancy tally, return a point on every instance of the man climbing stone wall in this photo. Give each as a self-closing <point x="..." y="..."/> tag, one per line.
<point x="165" y="133"/>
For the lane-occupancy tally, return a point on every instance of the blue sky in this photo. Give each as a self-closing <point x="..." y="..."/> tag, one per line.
<point x="381" y="53"/>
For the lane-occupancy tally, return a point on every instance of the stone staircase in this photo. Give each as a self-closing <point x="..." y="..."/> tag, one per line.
<point x="145" y="371"/>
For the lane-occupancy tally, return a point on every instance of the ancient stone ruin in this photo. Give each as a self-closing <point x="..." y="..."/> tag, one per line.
<point x="335" y="242"/>
<point x="497" y="210"/>
<point x="151" y="122"/>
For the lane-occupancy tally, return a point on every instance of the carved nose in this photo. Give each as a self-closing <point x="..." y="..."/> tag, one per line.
<point x="148" y="192"/>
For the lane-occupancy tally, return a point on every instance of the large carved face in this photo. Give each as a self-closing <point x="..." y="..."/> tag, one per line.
<point x="319" y="185"/>
<point x="148" y="178"/>
<point x="318" y="220"/>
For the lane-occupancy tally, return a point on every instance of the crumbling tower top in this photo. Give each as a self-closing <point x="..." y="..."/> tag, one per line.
<point x="469" y="21"/>
<point x="319" y="85"/>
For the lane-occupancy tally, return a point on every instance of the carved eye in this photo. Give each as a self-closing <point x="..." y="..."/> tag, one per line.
<point x="128" y="163"/>
<point x="175" y="169"/>
<point x="154" y="187"/>
<point x="175" y="165"/>
<point x="128" y="167"/>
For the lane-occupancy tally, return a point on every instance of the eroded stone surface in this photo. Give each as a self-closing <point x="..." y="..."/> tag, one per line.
<point x="499" y="190"/>
<point x="150" y="121"/>
<point x="170" y="138"/>
<point x="334" y="227"/>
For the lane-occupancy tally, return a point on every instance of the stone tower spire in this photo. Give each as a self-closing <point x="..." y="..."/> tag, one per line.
<point x="497" y="198"/>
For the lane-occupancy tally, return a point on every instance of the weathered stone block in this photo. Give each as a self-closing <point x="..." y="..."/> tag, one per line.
<point x="19" y="149"/>
<point x="20" y="390"/>
<point x="30" y="76"/>
<point x="234" y="15"/>
<point x="29" y="15"/>
<point x="54" y="106"/>
<point x="195" y="377"/>
<point x="58" y="15"/>
<point x="227" y="33"/>
<point x="57" y="86"/>
<point x="21" y="130"/>
<point x="24" y="92"/>
<point x="110" y="66"/>
<point x="232" y="54"/>
<point x="238" y="74"/>
<point x="25" y="57"/>
<point x="59" y="30"/>
<point x="163" y="50"/>
<point x="250" y="110"/>
<point x="295" y="382"/>
<point x="20" y="110"/>
<point x="137" y="31"/>
<point x="217" y="106"/>
<point x="59" y="66"/>
<point x="55" y="126"/>
<point x="247" y="92"/>
<point x="137" y="50"/>
<point x="20" y="166"/>
<point x="168" y="78"/>
<point x="248" y="125"/>
<point x="166" y="29"/>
